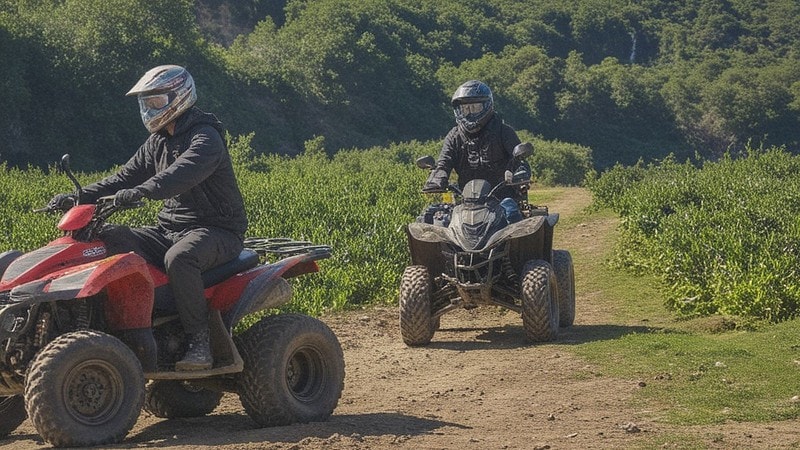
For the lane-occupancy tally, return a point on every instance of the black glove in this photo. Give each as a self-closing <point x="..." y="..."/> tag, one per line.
<point x="62" y="202"/>
<point x="437" y="181"/>
<point x="520" y="175"/>
<point x="128" y="196"/>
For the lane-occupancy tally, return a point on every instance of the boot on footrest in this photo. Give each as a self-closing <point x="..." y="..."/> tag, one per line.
<point x="198" y="356"/>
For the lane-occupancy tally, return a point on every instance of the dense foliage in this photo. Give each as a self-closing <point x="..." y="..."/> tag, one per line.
<point x="626" y="79"/>
<point x="358" y="202"/>
<point x="723" y="234"/>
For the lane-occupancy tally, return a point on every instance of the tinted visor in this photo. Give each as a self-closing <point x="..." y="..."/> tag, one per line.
<point x="470" y="108"/>
<point x="156" y="101"/>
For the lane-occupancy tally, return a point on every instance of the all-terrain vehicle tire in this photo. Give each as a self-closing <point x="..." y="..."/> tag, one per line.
<point x="12" y="414"/>
<point x="540" y="315"/>
<point x="416" y="324"/>
<point x="84" y="388"/>
<point x="293" y="370"/>
<point x="170" y="399"/>
<point x="565" y="274"/>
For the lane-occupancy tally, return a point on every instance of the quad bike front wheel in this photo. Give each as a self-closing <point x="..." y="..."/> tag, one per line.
<point x="540" y="314"/>
<point x="171" y="399"/>
<point x="416" y="325"/>
<point x="565" y="274"/>
<point x="84" y="388"/>
<point x="12" y="414"/>
<point x="293" y="370"/>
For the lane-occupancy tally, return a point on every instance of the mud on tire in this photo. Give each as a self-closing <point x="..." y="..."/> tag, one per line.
<point x="416" y="325"/>
<point x="173" y="399"/>
<point x="293" y="370"/>
<point x="540" y="314"/>
<point x="565" y="274"/>
<point x="84" y="388"/>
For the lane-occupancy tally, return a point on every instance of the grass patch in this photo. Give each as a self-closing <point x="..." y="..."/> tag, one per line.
<point x="695" y="372"/>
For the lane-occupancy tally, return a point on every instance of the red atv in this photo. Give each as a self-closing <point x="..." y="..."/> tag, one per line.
<point x="81" y="331"/>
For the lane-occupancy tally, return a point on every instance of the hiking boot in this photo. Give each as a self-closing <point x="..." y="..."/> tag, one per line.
<point x="198" y="356"/>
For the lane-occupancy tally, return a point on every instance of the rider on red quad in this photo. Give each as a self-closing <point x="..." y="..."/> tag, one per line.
<point x="480" y="146"/>
<point x="185" y="163"/>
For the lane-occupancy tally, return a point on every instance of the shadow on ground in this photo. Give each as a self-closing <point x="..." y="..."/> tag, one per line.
<point x="513" y="336"/>
<point x="232" y="429"/>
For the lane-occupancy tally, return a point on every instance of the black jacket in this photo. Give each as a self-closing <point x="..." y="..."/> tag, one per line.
<point x="190" y="170"/>
<point x="485" y="155"/>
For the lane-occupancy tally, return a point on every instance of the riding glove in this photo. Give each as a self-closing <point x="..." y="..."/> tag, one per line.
<point x="128" y="196"/>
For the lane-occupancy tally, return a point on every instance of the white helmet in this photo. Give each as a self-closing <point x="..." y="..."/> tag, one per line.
<point x="164" y="93"/>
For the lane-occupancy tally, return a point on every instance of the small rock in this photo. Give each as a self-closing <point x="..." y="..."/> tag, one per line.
<point x="796" y="399"/>
<point x="720" y="364"/>
<point x="631" y="427"/>
<point x="551" y="416"/>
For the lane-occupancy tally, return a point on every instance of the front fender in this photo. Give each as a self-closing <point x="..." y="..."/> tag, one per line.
<point x="124" y="278"/>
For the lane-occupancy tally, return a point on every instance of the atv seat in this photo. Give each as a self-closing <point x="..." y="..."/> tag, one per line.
<point x="247" y="259"/>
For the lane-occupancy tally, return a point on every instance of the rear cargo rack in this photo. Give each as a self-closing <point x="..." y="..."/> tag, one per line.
<point x="286" y="247"/>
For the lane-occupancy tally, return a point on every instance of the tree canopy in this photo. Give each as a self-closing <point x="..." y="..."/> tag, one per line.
<point x="629" y="80"/>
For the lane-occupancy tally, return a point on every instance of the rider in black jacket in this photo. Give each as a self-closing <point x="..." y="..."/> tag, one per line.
<point x="185" y="163"/>
<point x="481" y="146"/>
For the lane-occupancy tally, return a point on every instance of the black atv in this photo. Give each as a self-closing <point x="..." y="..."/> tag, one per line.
<point x="465" y="254"/>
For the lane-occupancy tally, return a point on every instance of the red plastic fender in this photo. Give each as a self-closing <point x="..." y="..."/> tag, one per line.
<point x="129" y="288"/>
<point x="224" y="295"/>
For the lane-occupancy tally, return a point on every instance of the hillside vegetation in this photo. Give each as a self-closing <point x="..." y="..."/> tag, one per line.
<point x="722" y="235"/>
<point x="627" y="80"/>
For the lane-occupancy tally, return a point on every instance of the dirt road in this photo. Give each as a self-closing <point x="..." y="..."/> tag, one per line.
<point x="478" y="385"/>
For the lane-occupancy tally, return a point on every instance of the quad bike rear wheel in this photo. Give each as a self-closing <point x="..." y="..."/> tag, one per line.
<point x="565" y="274"/>
<point x="293" y="370"/>
<point x="540" y="314"/>
<point x="84" y="388"/>
<point x="416" y="324"/>
<point x="171" y="399"/>
<point x="12" y="414"/>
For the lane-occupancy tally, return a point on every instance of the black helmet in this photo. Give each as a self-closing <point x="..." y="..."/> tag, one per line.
<point x="473" y="105"/>
<point x="164" y="93"/>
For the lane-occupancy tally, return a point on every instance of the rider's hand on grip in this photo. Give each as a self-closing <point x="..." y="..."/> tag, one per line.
<point x="128" y="196"/>
<point x="62" y="202"/>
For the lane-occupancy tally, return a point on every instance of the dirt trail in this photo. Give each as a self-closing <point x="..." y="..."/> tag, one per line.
<point x="478" y="385"/>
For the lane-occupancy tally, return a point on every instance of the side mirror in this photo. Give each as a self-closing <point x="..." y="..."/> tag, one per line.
<point x="426" y="162"/>
<point x="65" y="163"/>
<point x="66" y="169"/>
<point x="522" y="151"/>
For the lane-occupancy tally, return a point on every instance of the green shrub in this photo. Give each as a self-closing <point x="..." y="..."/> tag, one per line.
<point x="723" y="236"/>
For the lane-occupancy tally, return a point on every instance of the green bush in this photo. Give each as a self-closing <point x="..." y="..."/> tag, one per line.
<point x="723" y="235"/>
<point x="560" y="163"/>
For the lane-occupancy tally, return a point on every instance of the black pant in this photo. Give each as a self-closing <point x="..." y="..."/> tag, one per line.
<point x="185" y="256"/>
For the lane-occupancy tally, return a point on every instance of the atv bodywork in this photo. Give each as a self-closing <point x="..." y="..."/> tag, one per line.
<point x="88" y="338"/>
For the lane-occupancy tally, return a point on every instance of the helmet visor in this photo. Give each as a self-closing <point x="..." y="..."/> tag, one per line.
<point x="156" y="101"/>
<point x="467" y="109"/>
